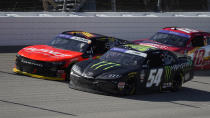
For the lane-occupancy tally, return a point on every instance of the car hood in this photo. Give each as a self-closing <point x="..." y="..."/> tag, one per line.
<point x="99" y="67"/>
<point x="155" y="44"/>
<point x="47" y="53"/>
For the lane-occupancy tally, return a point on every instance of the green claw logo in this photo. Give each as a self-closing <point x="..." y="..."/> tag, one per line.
<point x="168" y="72"/>
<point x="104" y="63"/>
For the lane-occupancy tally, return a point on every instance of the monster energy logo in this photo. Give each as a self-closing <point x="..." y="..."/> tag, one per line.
<point x="168" y="72"/>
<point x="104" y="63"/>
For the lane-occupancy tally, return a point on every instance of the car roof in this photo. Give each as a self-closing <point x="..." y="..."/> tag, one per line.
<point x="83" y="34"/>
<point x="184" y="32"/>
<point x="139" y="47"/>
<point x="147" y="49"/>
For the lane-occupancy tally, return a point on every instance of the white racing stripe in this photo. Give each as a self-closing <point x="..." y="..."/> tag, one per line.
<point x="136" y="53"/>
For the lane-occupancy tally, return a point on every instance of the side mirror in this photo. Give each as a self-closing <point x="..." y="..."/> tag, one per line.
<point x="87" y="54"/>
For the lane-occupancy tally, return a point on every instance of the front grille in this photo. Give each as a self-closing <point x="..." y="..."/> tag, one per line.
<point x="102" y="85"/>
<point x="35" y="67"/>
<point x="81" y="81"/>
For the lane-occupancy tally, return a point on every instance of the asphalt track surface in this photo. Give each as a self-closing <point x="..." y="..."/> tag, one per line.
<point x="26" y="97"/>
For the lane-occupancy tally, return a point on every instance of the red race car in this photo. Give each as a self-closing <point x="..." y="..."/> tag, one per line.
<point x="54" y="61"/>
<point x="183" y="40"/>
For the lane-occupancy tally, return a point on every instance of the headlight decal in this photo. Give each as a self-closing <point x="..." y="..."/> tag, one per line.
<point x="74" y="74"/>
<point x="110" y="76"/>
<point x="114" y="76"/>
<point x="76" y="69"/>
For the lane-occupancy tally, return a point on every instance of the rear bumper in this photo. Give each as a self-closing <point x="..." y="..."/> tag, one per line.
<point x="37" y="76"/>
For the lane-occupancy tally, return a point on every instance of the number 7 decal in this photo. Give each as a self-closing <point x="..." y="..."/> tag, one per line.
<point x="154" y="77"/>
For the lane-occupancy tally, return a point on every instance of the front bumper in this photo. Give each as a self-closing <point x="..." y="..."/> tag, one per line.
<point x="37" y="76"/>
<point x="38" y="69"/>
<point x="94" y="85"/>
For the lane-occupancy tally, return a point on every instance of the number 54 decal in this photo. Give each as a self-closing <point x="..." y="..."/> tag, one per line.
<point x="154" y="77"/>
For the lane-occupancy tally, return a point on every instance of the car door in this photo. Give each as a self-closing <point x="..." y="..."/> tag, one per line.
<point x="155" y="70"/>
<point x="170" y="65"/>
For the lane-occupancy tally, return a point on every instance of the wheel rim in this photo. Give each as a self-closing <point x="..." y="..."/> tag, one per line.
<point x="177" y="83"/>
<point x="131" y="88"/>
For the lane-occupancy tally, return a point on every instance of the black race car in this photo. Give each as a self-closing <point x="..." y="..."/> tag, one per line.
<point x="131" y="68"/>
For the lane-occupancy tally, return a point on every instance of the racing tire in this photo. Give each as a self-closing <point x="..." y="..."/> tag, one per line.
<point x="130" y="87"/>
<point x="67" y="79"/>
<point x="161" y="89"/>
<point x="177" y="83"/>
<point x="68" y="71"/>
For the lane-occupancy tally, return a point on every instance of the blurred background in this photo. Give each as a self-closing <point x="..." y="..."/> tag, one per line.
<point x="105" y="5"/>
<point x="30" y="22"/>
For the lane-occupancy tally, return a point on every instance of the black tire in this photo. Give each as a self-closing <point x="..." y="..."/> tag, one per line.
<point x="177" y="82"/>
<point x="67" y="75"/>
<point x="130" y="87"/>
<point x="161" y="89"/>
<point x="68" y="71"/>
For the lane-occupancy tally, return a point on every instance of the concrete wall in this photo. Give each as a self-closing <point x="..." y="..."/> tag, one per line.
<point x="39" y="30"/>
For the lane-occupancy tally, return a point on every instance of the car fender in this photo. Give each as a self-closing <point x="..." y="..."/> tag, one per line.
<point x="201" y="57"/>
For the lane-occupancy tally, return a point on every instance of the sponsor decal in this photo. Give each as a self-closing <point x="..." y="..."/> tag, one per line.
<point x="154" y="77"/>
<point x="118" y="49"/>
<point x="136" y="53"/>
<point x="175" y="33"/>
<point x="44" y="51"/>
<point x="133" y="52"/>
<point x="105" y="64"/>
<point x="169" y="69"/>
<point x="182" y="66"/>
<point x="132" y="74"/>
<point x="31" y="63"/>
<point x="86" y="34"/>
<point x="186" y="30"/>
<point x="166" y="85"/>
<point x="142" y="47"/>
<point x="167" y="72"/>
<point x="155" y="46"/>
<point x="75" y="38"/>
<point x="121" y="85"/>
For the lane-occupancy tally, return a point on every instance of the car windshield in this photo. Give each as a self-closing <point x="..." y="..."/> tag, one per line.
<point x="69" y="44"/>
<point x="170" y="39"/>
<point x="123" y="58"/>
